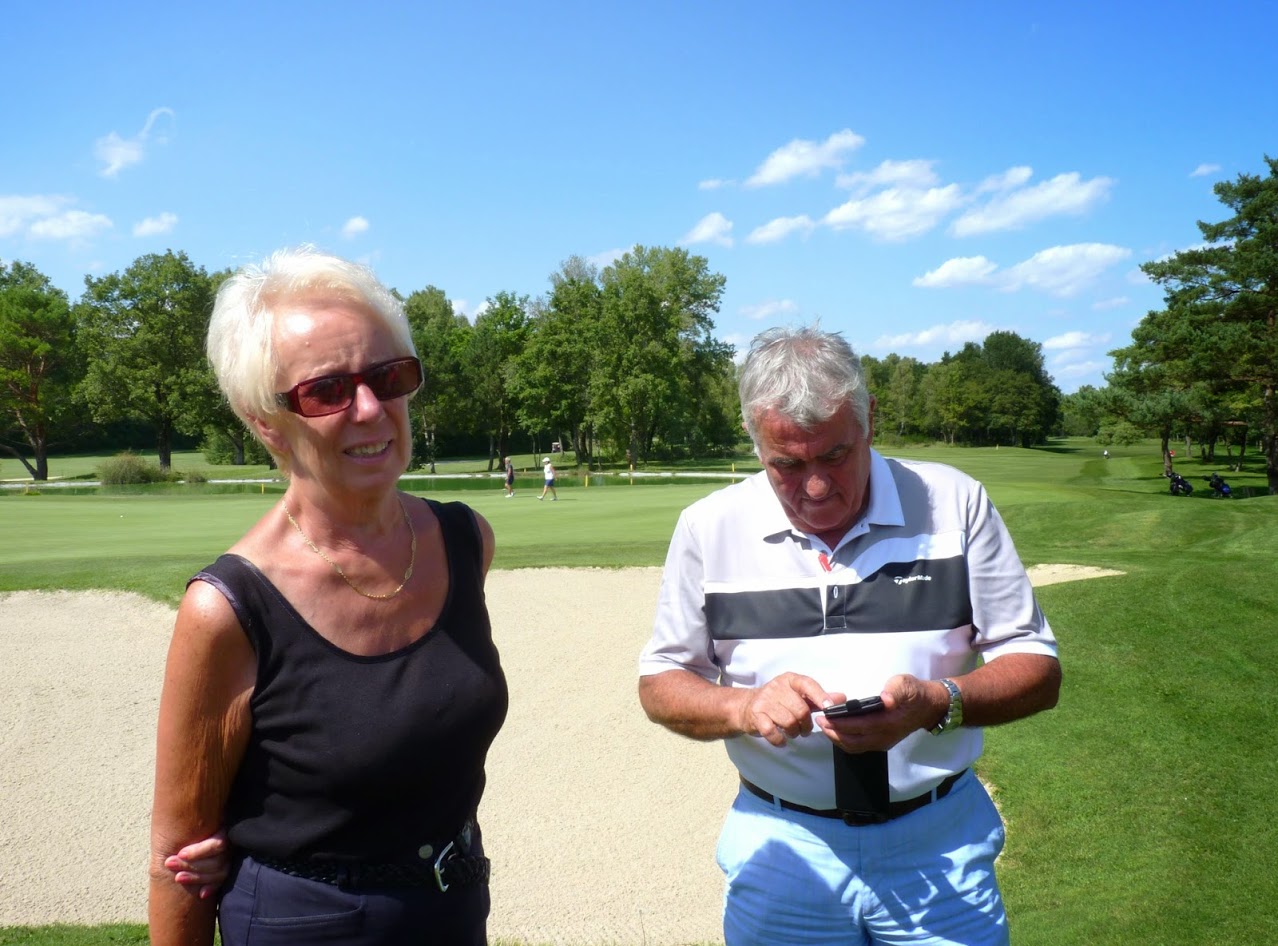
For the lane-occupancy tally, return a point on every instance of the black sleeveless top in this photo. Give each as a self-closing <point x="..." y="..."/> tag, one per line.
<point x="364" y="758"/>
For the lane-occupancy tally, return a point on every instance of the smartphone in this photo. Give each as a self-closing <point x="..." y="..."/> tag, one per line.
<point x="869" y="704"/>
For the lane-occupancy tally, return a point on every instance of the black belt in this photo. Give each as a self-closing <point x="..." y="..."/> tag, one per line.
<point x="895" y="809"/>
<point x="451" y="868"/>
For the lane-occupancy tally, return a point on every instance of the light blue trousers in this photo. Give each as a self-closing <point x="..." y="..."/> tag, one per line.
<point x="926" y="878"/>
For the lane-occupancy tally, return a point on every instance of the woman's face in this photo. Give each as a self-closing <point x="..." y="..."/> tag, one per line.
<point x="368" y="445"/>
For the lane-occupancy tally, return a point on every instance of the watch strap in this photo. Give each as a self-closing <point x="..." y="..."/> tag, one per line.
<point x="953" y="717"/>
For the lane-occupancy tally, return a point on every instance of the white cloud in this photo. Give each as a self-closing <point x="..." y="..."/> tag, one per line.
<point x="960" y="271"/>
<point x="606" y="258"/>
<point x="956" y="333"/>
<point x="771" y="309"/>
<point x="1137" y="277"/>
<point x="776" y="230"/>
<point x="462" y="307"/>
<point x="740" y="345"/>
<point x="896" y="213"/>
<point x="712" y="184"/>
<point x="1075" y="340"/>
<point x="1059" y="270"/>
<point x="154" y="225"/>
<point x="916" y="174"/>
<point x="1204" y="169"/>
<point x="712" y="228"/>
<point x="119" y="153"/>
<point x="1063" y="270"/>
<point x="18" y="211"/>
<point x="354" y="227"/>
<point x="805" y="158"/>
<point x="1008" y="180"/>
<point x="1078" y="369"/>
<point x="70" y="225"/>
<point x="1117" y="302"/>
<point x="1063" y="194"/>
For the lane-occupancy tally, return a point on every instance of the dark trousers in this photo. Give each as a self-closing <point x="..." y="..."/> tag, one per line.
<point x="264" y="907"/>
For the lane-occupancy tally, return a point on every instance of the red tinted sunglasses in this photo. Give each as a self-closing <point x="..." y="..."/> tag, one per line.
<point x="331" y="394"/>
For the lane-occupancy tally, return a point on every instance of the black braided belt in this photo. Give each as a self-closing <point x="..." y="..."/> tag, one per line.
<point x="450" y="869"/>
<point x="895" y="810"/>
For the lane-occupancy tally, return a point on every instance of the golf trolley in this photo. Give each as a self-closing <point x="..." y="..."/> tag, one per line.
<point x="1218" y="486"/>
<point x="1180" y="486"/>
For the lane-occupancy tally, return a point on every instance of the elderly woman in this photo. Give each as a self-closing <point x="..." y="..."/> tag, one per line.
<point x="332" y="687"/>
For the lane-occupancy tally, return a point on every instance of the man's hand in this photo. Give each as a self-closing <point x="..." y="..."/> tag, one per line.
<point x="782" y="708"/>
<point x="908" y="704"/>
<point x="203" y="864"/>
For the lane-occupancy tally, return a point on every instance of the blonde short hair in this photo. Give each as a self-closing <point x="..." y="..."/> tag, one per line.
<point x="241" y="336"/>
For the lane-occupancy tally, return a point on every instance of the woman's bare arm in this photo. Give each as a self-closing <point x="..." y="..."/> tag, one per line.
<point x="203" y="729"/>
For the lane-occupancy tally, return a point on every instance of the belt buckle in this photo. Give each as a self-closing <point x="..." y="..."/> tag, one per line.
<point x="860" y="819"/>
<point x="440" y="865"/>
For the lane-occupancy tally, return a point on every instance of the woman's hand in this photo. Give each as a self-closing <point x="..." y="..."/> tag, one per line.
<point x="203" y="864"/>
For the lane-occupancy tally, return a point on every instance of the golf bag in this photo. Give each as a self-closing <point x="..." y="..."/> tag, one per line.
<point x="1180" y="486"/>
<point x="1218" y="486"/>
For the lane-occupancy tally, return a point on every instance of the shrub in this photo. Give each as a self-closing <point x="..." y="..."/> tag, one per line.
<point x="1121" y="433"/>
<point x="128" y="468"/>
<point x="220" y="450"/>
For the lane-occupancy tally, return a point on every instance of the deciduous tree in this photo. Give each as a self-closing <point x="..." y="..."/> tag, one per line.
<point x="38" y="363"/>
<point x="143" y="335"/>
<point x="656" y="343"/>
<point x="553" y="372"/>
<point x="441" y="337"/>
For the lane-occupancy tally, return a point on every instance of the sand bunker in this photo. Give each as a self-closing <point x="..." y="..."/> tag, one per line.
<point x="601" y="825"/>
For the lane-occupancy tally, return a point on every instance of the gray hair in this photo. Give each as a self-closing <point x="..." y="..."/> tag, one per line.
<point x="241" y="340"/>
<point x="804" y="374"/>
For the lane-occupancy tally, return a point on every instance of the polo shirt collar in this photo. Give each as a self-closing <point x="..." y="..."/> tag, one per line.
<point x="885" y="504"/>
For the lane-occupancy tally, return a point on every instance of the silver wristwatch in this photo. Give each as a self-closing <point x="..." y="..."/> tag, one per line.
<point x="953" y="717"/>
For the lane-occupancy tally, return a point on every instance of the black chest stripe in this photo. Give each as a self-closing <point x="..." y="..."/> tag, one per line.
<point x="924" y="595"/>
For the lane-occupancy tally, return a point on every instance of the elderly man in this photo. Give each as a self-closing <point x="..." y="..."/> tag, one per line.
<point x="839" y="573"/>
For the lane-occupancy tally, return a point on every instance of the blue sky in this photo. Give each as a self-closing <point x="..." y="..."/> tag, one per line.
<point x="914" y="175"/>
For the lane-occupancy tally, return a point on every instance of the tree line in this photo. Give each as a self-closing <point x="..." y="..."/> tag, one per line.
<point x="619" y="363"/>
<point x="1205" y="366"/>
<point x="622" y="363"/>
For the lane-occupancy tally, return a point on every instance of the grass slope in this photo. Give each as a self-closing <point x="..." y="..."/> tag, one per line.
<point x="1140" y="810"/>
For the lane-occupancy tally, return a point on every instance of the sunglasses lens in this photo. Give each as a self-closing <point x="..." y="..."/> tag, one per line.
<point x="325" y="395"/>
<point x="395" y="379"/>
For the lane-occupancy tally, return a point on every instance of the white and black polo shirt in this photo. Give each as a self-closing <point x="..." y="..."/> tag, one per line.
<point x="928" y="583"/>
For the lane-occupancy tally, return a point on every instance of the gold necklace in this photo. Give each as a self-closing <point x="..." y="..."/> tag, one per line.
<point x="412" y="555"/>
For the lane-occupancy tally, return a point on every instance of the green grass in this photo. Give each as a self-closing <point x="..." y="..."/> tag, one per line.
<point x="1140" y="810"/>
<point x="123" y="934"/>
<point x="84" y="466"/>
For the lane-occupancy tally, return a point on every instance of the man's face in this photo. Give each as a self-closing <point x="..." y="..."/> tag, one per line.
<point x="820" y="475"/>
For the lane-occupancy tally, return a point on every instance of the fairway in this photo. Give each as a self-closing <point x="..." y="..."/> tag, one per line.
<point x="1131" y="809"/>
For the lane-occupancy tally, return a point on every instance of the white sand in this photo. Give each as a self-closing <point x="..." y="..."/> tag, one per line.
<point x="601" y="825"/>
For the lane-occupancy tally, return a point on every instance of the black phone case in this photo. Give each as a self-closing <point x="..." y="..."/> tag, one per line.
<point x="869" y="704"/>
<point x="861" y="783"/>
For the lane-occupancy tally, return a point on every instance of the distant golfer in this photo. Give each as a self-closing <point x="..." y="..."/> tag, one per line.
<point x="510" y="478"/>
<point x="548" y="471"/>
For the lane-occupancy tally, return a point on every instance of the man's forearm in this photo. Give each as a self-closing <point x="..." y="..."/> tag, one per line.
<point x="1009" y="688"/>
<point x="692" y="706"/>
